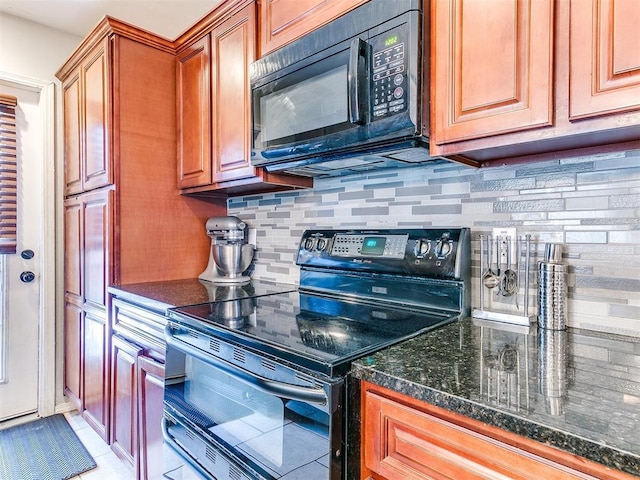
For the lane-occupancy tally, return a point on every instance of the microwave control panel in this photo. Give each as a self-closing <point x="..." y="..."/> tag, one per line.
<point x="389" y="65"/>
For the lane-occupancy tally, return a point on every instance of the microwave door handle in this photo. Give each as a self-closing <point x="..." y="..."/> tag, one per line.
<point x="357" y="80"/>
<point x="271" y="387"/>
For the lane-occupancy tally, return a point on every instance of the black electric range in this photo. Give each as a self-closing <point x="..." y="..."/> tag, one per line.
<point x="360" y="291"/>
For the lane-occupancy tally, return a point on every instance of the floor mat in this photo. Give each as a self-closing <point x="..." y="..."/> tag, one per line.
<point x="45" y="449"/>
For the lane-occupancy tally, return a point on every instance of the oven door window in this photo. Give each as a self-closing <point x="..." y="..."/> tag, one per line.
<point x="273" y="435"/>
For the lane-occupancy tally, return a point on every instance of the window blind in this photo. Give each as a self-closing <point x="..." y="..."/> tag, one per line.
<point x="8" y="174"/>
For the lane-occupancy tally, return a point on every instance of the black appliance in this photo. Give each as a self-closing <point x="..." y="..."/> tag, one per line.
<point x="259" y="391"/>
<point x="349" y="97"/>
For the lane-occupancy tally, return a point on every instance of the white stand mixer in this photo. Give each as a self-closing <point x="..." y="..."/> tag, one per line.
<point x="230" y="254"/>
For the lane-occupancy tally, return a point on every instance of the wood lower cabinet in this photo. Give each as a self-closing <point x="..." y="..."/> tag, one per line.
<point x="87" y="236"/>
<point x="282" y="21"/>
<point x="121" y="198"/>
<point x="403" y="438"/>
<point x="214" y="108"/>
<point x="124" y="431"/>
<point x="526" y="79"/>
<point x="137" y="388"/>
<point x="150" y="405"/>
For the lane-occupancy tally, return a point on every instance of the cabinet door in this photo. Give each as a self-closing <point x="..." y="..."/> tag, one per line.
<point x="150" y="404"/>
<point x="604" y="57"/>
<point x="73" y="292"/>
<point x="492" y="67"/>
<point x="73" y="354"/>
<point x="97" y="208"/>
<point x="233" y="50"/>
<point x="282" y="21"/>
<point x="94" y="71"/>
<point x="72" y="139"/>
<point x="96" y="372"/>
<point x="194" y="115"/>
<point x="124" y="357"/>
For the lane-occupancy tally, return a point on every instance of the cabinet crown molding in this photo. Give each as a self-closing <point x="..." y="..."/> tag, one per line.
<point x="112" y="26"/>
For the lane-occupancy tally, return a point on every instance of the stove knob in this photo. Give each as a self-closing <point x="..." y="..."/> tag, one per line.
<point x="308" y="244"/>
<point x="422" y="247"/>
<point x="443" y="248"/>
<point x="322" y="243"/>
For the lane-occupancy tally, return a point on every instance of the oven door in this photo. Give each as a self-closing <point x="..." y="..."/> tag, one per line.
<point x="229" y="422"/>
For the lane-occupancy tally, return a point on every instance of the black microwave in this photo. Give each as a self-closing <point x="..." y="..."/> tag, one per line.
<point x="348" y="97"/>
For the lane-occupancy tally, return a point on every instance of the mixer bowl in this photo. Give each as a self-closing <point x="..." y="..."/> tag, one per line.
<point x="232" y="259"/>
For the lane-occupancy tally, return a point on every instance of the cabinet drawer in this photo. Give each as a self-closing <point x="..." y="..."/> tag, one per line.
<point x="400" y="441"/>
<point x="139" y="325"/>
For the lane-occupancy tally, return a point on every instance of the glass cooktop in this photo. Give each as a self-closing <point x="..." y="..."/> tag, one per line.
<point x="317" y="332"/>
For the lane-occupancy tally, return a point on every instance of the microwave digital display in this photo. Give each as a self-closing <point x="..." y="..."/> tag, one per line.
<point x="391" y="41"/>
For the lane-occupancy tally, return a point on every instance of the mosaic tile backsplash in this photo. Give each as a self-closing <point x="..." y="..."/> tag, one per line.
<point x="590" y="204"/>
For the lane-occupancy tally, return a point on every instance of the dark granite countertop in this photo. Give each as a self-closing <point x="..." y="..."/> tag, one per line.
<point x="160" y="296"/>
<point x="576" y="390"/>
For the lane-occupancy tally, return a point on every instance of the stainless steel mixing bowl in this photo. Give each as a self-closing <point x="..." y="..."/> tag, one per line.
<point x="232" y="259"/>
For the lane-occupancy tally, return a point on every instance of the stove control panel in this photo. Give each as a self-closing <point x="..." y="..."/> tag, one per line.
<point x="436" y="252"/>
<point x="363" y="246"/>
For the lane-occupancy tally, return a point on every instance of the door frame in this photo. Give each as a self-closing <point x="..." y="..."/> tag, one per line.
<point x="47" y="310"/>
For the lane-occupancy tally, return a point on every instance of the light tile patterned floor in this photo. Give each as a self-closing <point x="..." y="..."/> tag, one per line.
<point x="109" y="466"/>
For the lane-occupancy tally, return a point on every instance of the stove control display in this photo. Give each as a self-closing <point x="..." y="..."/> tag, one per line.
<point x="373" y="245"/>
<point x="363" y="246"/>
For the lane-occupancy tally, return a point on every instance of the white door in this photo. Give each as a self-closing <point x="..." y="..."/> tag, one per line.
<point x="20" y="300"/>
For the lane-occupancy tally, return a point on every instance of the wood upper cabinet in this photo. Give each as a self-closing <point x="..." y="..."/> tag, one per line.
<point x="194" y="120"/>
<point x="525" y="79"/>
<point x="604" y="56"/>
<point x="87" y="164"/>
<point x="492" y="67"/>
<point x="232" y="51"/>
<point x="214" y="108"/>
<point x="405" y="438"/>
<point x="282" y="21"/>
<point x="73" y="169"/>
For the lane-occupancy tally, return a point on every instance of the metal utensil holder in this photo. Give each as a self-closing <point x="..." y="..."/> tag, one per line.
<point x="522" y="248"/>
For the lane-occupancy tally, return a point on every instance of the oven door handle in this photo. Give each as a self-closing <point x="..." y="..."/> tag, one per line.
<point x="271" y="387"/>
<point x="183" y="454"/>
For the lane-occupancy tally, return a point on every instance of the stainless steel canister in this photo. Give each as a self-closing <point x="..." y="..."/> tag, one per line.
<point x="552" y="290"/>
<point x="552" y="351"/>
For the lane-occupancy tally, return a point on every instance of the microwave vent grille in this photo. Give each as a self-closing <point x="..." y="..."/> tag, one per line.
<point x="193" y="334"/>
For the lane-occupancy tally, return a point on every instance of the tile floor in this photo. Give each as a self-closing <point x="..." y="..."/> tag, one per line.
<point x="109" y="466"/>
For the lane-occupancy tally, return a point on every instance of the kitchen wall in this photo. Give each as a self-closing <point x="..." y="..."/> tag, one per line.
<point x="588" y="203"/>
<point x="31" y="49"/>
